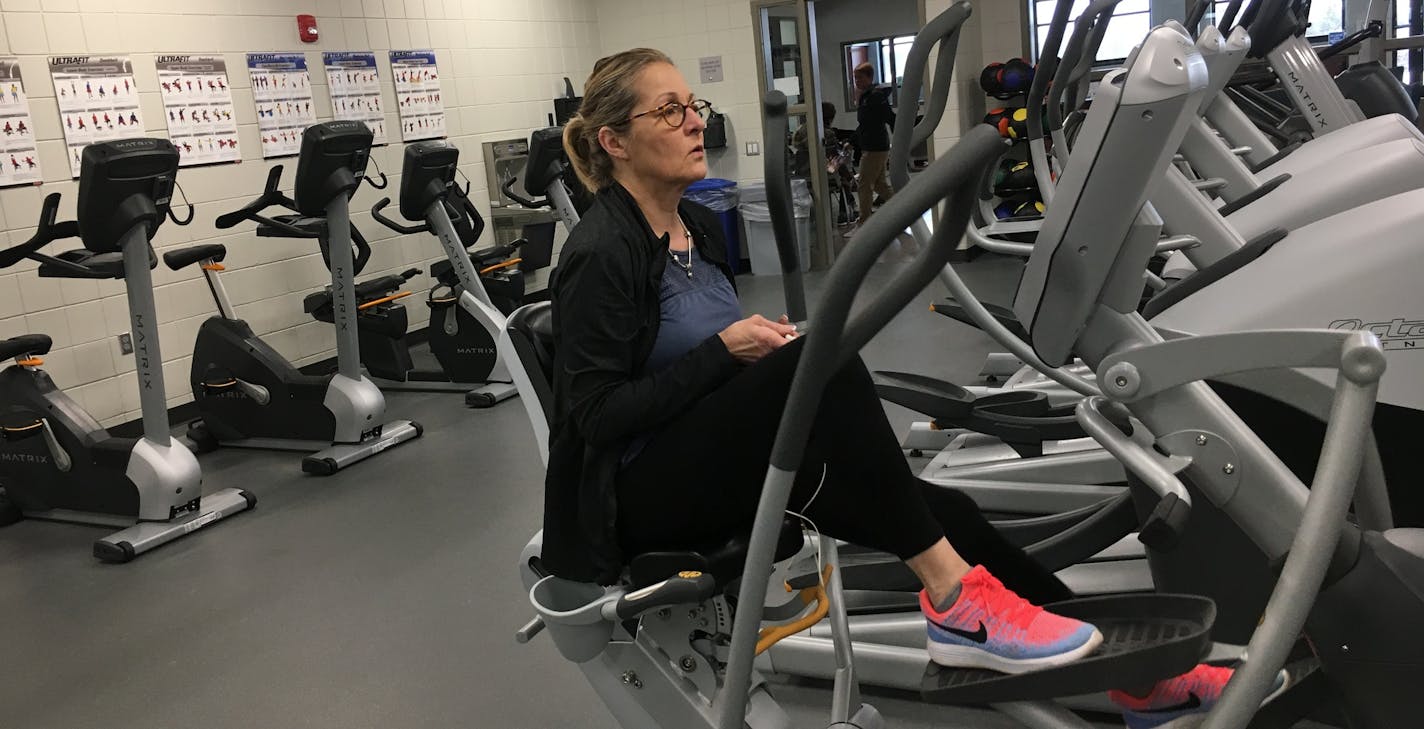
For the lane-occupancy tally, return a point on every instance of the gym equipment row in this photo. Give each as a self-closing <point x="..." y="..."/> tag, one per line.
<point x="58" y="463"/>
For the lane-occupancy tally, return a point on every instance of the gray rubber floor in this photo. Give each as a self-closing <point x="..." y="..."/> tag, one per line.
<point x="384" y="596"/>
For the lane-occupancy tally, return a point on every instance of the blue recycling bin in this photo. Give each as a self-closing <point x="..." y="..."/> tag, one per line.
<point x="720" y="196"/>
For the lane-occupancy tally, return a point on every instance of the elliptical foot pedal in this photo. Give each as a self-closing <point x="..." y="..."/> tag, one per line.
<point x="1306" y="694"/>
<point x="1145" y="638"/>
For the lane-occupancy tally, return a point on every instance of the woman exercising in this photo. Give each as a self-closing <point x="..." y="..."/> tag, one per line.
<point x="667" y="401"/>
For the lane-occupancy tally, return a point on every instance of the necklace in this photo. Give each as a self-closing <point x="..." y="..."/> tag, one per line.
<point x="687" y="234"/>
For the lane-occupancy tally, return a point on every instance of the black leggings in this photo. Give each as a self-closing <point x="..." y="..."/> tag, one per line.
<point x="700" y="478"/>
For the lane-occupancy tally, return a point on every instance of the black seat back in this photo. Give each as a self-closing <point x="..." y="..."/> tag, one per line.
<point x="531" y="330"/>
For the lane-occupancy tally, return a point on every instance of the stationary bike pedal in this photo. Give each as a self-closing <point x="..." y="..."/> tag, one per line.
<point x="1145" y="638"/>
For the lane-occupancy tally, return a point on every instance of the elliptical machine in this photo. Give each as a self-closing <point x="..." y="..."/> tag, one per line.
<point x="248" y="394"/>
<point x="56" y="461"/>
<point x="465" y="326"/>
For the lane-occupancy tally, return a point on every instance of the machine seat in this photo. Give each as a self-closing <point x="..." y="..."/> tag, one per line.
<point x="32" y="344"/>
<point x="97" y="265"/>
<point x="531" y="330"/>
<point x="724" y="560"/>
<point x="368" y="290"/>
<point x="184" y="257"/>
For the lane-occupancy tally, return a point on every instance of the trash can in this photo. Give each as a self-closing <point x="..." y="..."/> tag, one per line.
<point x="761" y="241"/>
<point x="720" y="196"/>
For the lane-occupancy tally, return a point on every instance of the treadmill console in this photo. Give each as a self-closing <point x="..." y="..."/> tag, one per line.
<point x="427" y="174"/>
<point x="332" y="162"/>
<point x="123" y="183"/>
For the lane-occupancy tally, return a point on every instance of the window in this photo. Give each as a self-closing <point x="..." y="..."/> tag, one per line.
<point x="887" y="55"/>
<point x="1326" y="17"/>
<point x="1133" y="19"/>
<point x="1401" y="30"/>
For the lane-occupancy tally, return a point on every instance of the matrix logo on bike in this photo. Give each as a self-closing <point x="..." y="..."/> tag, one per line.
<point x="1394" y="334"/>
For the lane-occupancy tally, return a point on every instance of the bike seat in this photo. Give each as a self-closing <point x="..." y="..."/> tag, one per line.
<point x="33" y="344"/>
<point x="722" y="560"/>
<point x="184" y="257"/>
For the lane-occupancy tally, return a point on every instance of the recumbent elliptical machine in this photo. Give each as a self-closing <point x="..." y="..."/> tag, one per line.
<point x="56" y="461"/>
<point x="249" y="395"/>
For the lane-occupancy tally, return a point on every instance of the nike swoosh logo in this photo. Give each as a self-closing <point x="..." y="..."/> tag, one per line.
<point x="1192" y="702"/>
<point x="980" y="636"/>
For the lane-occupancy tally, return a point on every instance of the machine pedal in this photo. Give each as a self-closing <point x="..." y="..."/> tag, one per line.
<point x="1145" y="638"/>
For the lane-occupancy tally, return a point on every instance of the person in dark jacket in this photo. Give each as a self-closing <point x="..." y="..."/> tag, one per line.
<point x="667" y="399"/>
<point x="874" y="118"/>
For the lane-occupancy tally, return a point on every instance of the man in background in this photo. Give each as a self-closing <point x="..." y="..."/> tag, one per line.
<point x="876" y="118"/>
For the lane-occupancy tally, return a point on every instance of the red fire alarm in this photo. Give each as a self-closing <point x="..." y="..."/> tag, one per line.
<point x="306" y="28"/>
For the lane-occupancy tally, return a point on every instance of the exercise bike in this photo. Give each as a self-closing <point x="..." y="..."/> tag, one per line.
<point x="56" y="461"/>
<point x="248" y="395"/>
<point x="464" y="325"/>
<point x="462" y="347"/>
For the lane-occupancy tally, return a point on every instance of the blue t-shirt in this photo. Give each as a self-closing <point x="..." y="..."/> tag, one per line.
<point x="692" y="308"/>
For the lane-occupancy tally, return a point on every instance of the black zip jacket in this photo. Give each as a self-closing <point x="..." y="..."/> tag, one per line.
<point x="875" y="118"/>
<point x="606" y="314"/>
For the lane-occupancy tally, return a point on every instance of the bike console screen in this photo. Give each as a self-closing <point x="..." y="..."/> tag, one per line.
<point x="332" y="162"/>
<point x="123" y="183"/>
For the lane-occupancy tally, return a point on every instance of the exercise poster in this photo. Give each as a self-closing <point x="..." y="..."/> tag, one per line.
<point x="422" y="113"/>
<point x="19" y="162"/>
<point x="355" y="88"/>
<point x="281" y="89"/>
<point x="98" y="101"/>
<point x="198" y="104"/>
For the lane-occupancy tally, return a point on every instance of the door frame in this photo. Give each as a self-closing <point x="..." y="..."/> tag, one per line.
<point x="810" y="106"/>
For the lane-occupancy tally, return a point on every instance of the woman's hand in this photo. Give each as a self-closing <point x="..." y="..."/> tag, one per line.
<point x="755" y="337"/>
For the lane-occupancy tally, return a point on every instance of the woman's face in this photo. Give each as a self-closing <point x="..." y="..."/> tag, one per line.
<point x="658" y="152"/>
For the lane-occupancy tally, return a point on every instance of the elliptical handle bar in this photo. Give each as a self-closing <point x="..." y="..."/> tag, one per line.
<point x="533" y="204"/>
<point x="393" y="225"/>
<point x="46" y="232"/>
<point x="778" y="202"/>
<point x="943" y="30"/>
<point x="1077" y="60"/>
<point x="833" y="342"/>
<point x="1374" y="30"/>
<point x="270" y="196"/>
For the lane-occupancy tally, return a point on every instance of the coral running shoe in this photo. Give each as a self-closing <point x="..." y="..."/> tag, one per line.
<point x="1181" y="702"/>
<point x="992" y="628"/>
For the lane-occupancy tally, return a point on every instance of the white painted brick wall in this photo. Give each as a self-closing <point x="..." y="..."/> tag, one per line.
<point x="501" y="62"/>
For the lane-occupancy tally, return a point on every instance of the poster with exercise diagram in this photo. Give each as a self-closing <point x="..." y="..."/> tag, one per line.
<point x="355" y="87"/>
<point x="198" y="103"/>
<point x="422" y="113"/>
<point x="282" y="91"/>
<point x="19" y="161"/>
<point x="98" y="101"/>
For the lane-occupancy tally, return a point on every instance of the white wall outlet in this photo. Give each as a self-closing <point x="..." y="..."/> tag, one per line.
<point x="753" y="149"/>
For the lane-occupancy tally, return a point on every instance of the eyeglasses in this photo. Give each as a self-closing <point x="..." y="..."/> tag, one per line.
<point x="674" y="113"/>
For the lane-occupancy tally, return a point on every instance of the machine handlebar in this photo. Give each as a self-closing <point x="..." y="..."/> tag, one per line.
<point x="393" y="225"/>
<point x="46" y="232"/>
<point x="270" y="196"/>
<point x="508" y="189"/>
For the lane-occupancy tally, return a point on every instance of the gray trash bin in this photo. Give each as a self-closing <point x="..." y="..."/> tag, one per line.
<point x="756" y="222"/>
